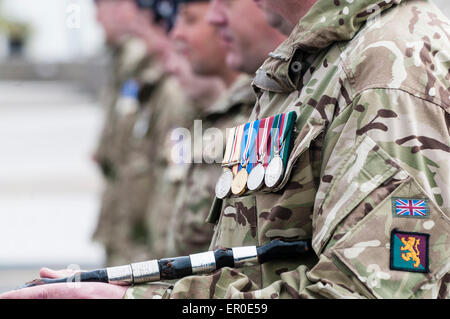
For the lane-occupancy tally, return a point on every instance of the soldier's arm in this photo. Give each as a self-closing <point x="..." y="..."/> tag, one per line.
<point x="101" y="154"/>
<point x="388" y="183"/>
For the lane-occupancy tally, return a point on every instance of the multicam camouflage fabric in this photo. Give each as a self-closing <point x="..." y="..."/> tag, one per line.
<point x="187" y="231"/>
<point x="373" y="126"/>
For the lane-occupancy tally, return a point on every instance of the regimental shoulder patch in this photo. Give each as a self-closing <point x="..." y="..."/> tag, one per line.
<point x="410" y="207"/>
<point x="409" y="251"/>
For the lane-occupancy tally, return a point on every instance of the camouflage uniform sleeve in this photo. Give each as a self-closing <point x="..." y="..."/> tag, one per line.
<point x="381" y="220"/>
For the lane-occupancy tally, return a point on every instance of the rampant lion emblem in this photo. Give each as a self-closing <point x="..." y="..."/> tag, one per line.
<point x="412" y="252"/>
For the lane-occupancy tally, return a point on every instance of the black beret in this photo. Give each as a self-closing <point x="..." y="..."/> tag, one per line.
<point x="164" y="10"/>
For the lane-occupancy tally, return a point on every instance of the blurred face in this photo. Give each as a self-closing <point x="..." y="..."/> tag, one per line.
<point x="247" y="40"/>
<point x="197" y="40"/>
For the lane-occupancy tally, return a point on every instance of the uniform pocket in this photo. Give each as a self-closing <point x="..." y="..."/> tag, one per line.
<point x="401" y="249"/>
<point x="365" y="169"/>
<point x="237" y="225"/>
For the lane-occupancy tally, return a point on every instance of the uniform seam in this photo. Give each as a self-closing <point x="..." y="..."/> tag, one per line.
<point x="359" y="93"/>
<point x="409" y="90"/>
<point x="438" y="102"/>
<point x="348" y="72"/>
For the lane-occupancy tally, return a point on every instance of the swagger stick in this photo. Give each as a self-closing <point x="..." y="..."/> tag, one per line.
<point x="179" y="267"/>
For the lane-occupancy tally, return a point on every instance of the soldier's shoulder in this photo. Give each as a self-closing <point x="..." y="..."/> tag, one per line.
<point x="405" y="48"/>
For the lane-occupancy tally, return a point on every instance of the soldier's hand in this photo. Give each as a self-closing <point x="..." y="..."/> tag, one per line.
<point x="79" y="290"/>
<point x="83" y="290"/>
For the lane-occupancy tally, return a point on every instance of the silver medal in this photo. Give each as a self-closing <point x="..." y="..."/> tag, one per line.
<point x="256" y="177"/>
<point x="274" y="172"/>
<point x="223" y="186"/>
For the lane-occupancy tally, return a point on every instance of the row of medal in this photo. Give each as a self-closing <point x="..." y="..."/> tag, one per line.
<point x="256" y="155"/>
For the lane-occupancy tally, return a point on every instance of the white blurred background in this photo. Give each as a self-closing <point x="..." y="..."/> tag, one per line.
<point x="50" y="118"/>
<point x="62" y="30"/>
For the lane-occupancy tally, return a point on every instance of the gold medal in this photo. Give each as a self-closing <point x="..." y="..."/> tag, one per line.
<point x="239" y="185"/>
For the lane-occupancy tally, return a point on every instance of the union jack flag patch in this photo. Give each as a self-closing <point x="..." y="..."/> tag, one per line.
<point x="410" y="207"/>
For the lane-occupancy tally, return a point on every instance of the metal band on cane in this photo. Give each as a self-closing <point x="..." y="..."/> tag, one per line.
<point x="245" y="256"/>
<point x="121" y="275"/>
<point x="146" y="271"/>
<point x="203" y="262"/>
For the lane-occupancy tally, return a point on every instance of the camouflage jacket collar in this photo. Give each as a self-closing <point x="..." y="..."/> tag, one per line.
<point x="327" y="22"/>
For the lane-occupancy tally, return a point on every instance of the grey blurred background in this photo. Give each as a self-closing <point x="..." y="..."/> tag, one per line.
<point x="53" y="67"/>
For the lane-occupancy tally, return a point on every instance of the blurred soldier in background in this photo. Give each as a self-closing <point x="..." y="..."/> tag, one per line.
<point x="166" y="174"/>
<point x="148" y="105"/>
<point x="188" y="232"/>
<point x="197" y="42"/>
<point x="128" y="55"/>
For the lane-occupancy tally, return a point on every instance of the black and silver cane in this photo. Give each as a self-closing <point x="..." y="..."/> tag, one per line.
<point x="179" y="267"/>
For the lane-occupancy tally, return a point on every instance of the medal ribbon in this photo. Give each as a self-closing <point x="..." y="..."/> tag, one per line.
<point x="281" y="131"/>
<point x="252" y="152"/>
<point x="284" y="134"/>
<point x="229" y="148"/>
<point x="245" y="146"/>
<point x="274" y="135"/>
<point x="236" y="155"/>
<point x="264" y="143"/>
